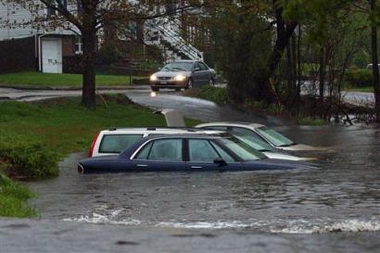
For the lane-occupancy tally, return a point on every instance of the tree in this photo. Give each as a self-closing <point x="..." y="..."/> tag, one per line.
<point x="243" y="33"/>
<point x="323" y="11"/>
<point x="84" y="17"/>
<point x="87" y="18"/>
<point x="375" y="61"/>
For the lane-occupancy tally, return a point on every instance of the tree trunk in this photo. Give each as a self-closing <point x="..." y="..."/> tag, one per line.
<point x="322" y="73"/>
<point x="89" y="40"/>
<point x="88" y="88"/>
<point x="375" y="65"/>
<point x="284" y="33"/>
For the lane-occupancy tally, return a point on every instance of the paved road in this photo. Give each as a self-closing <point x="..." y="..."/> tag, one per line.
<point x="359" y="98"/>
<point x="30" y="94"/>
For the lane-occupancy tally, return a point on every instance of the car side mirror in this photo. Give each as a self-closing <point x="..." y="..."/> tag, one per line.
<point x="220" y="161"/>
<point x="197" y="68"/>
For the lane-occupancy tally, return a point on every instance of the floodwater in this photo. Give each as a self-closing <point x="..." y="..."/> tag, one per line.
<point x="335" y="208"/>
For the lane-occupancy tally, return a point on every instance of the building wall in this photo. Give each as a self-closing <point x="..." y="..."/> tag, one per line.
<point x="20" y="43"/>
<point x="13" y="21"/>
<point x="18" y="55"/>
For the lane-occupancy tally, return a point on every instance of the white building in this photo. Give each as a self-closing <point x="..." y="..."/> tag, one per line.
<point x="49" y="46"/>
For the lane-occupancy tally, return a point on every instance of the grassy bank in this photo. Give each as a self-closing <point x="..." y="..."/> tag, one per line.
<point x="48" y="79"/>
<point x="361" y="89"/>
<point x="34" y="136"/>
<point x="49" y="130"/>
<point x="13" y="197"/>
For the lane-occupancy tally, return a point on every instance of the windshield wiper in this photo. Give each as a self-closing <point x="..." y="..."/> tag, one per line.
<point x="177" y="69"/>
<point x="287" y="145"/>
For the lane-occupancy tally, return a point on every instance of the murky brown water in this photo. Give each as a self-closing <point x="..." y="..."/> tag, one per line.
<point x="256" y="210"/>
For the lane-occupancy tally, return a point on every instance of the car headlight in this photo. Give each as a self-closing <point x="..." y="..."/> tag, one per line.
<point x="153" y="77"/>
<point x="179" y="78"/>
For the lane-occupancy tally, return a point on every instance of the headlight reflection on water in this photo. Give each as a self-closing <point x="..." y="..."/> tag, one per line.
<point x="153" y="94"/>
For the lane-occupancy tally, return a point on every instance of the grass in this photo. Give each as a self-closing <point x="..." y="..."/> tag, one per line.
<point x="65" y="126"/>
<point x="13" y="197"/>
<point x="311" y="121"/>
<point x="49" y="79"/>
<point x="361" y="89"/>
<point x="41" y="133"/>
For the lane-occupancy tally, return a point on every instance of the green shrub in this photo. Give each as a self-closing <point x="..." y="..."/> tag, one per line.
<point x="214" y="94"/>
<point x="311" y="121"/>
<point x="13" y="197"/>
<point x="33" y="160"/>
<point x="359" y="78"/>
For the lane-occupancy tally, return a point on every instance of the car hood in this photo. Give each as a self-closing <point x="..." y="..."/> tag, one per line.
<point x="99" y="158"/>
<point x="172" y="73"/>
<point x="276" y="155"/>
<point x="300" y="147"/>
<point x="289" y="164"/>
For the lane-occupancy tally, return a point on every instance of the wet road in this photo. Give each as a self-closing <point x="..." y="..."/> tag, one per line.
<point x="332" y="209"/>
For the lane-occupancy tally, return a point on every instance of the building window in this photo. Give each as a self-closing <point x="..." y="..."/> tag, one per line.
<point x="52" y="11"/>
<point x="78" y="46"/>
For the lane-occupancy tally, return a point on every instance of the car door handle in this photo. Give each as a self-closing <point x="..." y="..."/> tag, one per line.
<point x="196" y="167"/>
<point x="142" y="165"/>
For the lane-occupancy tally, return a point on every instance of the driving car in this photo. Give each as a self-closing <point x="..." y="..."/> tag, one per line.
<point x="258" y="131"/>
<point x="182" y="74"/>
<point x="185" y="153"/>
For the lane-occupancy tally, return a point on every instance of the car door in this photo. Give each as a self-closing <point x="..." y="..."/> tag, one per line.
<point x="196" y="75"/>
<point x="160" y="155"/>
<point x="204" y="73"/>
<point x="205" y="155"/>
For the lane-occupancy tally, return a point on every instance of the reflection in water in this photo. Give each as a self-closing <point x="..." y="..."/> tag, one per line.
<point x="342" y="195"/>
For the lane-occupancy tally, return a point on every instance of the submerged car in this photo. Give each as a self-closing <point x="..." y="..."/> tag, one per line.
<point x="270" y="151"/>
<point x="258" y="131"/>
<point x="185" y="153"/>
<point x="114" y="140"/>
<point x="182" y="74"/>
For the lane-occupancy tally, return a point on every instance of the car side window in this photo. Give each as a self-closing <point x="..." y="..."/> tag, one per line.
<point x="223" y="154"/>
<point x="144" y="153"/>
<point x="202" y="151"/>
<point x="163" y="150"/>
<point x="221" y="128"/>
<point x="115" y="143"/>
<point x="202" y="66"/>
<point x="197" y="67"/>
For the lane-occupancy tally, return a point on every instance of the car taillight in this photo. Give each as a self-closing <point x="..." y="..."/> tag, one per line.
<point x="91" y="151"/>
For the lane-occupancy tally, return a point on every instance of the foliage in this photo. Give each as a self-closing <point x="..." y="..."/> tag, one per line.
<point x="32" y="160"/>
<point x="311" y="121"/>
<point x="243" y="44"/>
<point x="359" y="78"/>
<point x="214" y="94"/>
<point x="13" y="197"/>
<point x="151" y="64"/>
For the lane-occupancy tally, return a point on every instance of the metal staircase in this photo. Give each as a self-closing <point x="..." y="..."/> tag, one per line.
<point x="164" y="34"/>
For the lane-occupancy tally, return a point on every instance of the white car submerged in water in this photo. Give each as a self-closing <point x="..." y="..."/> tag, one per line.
<point x="254" y="132"/>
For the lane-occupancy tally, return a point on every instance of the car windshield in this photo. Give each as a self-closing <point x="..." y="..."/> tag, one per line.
<point x="275" y="137"/>
<point x="242" y="150"/>
<point x="178" y="66"/>
<point x="255" y="143"/>
<point x="115" y="143"/>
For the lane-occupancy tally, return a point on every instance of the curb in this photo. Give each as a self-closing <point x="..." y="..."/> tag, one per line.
<point x="35" y="87"/>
